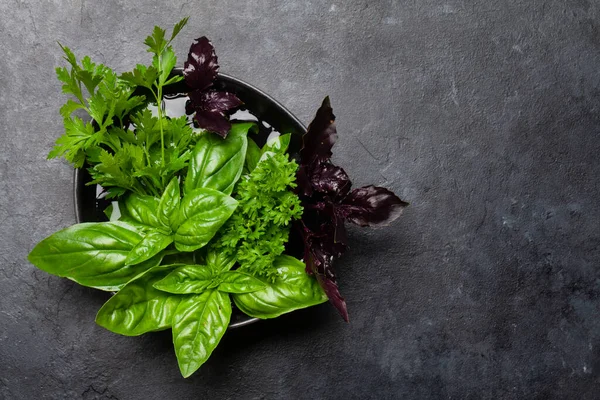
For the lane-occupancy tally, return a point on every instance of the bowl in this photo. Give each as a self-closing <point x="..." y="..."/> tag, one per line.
<point x="271" y="116"/>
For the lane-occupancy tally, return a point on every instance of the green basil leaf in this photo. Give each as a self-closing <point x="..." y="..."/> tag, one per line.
<point x="202" y="212"/>
<point x="278" y="144"/>
<point x="252" y="155"/>
<point x="219" y="262"/>
<point x="239" y="282"/>
<point x="168" y="206"/>
<point x="91" y="254"/>
<point x="179" y="258"/>
<point x="138" y="307"/>
<point x="198" y="326"/>
<point x="292" y="290"/>
<point x="140" y="209"/>
<point x="187" y="279"/>
<point x="217" y="163"/>
<point x="152" y="244"/>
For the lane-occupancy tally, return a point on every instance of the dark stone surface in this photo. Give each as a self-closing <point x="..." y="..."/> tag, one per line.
<point x="483" y="115"/>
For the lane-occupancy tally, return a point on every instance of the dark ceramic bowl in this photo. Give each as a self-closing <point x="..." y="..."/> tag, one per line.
<point x="90" y="208"/>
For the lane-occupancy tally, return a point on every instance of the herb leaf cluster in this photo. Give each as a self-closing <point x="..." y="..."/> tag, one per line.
<point x="257" y="232"/>
<point x="328" y="200"/>
<point x="203" y="218"/>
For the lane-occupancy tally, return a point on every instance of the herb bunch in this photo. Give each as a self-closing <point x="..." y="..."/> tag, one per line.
<point x="203" y="218"/>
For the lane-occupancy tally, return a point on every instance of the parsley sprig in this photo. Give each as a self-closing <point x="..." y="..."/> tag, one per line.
<point x="127" y="147"/>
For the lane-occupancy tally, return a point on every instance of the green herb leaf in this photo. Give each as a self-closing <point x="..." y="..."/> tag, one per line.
<point x="278" y="144"/>
<point x="217" y="163"/>
<point x="138" y="307"/>
<point x="198" y="326"/>
<point x="78" y="136"/>
<point x="219" y="262"/>
<point x="156" y="42"/>
<point x="293" y="289"/>
<point x="140" y="209"/>
<point x="178" y="27"/>
<point x="91" y="254"/>
<point x="152" y="244"/>
<point x="202" y="212"/>
<point x="167" y="62"/>
<point x="168" y="207"/>
<point x="141" y="76"/>
<point x="239" y="282"/>
<point x="253" y="154"/>
<point x="69" y="107"/>
<point x="187" y="279"/>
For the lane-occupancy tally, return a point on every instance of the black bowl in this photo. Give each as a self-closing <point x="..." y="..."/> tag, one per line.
<point x="89" y="208"/>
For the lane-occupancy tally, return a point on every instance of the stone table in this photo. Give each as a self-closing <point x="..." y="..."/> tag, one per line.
<point x="483" y="115"/>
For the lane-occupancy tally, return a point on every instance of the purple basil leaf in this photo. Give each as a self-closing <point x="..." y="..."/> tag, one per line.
<point x="320" y="249"/>
<point x="330" y="179"/>
<point x="210" y="108"/>
<point x="201" y="67"/>
<point x="213" y="121"/>
<point x="371" y="206"/>
<point x="320" y="136"/>
<point x="339" y="237"/>
<point x="214" y="101"/>
<point x="333" y="292"/>
<point x="325" y="275"/>
<point x="303" y="182"/>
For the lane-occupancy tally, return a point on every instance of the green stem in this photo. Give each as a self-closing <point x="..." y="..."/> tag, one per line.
<point x="160" y="114"/>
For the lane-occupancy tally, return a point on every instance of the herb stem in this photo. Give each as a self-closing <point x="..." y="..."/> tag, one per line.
<point x="160" y="114"/>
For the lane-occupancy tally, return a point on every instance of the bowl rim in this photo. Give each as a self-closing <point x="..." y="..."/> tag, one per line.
<point x="228" y="79"/>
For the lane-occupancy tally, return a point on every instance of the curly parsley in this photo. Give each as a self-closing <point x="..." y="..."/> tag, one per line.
<point x="258" y="230"/>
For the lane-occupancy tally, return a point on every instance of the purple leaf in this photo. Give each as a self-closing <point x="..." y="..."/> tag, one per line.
<point x="201" y="67"/>
<point x="214" y="101"/>
<point x="371" y="206"/>
<point x="325" y="192"/>
<point x="319" y="263"/>
<point x="330" y="179"/>
<point x="320" y="136"/>
<point x="210" y="108"/>
<point x="213" y="122"/>
<point x="303" y="181"/>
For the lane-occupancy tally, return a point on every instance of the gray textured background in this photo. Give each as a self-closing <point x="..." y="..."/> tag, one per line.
<point x="483" y="115"/>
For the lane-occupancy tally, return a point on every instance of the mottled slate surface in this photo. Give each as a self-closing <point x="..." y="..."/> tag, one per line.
<point x="484" y="115"/>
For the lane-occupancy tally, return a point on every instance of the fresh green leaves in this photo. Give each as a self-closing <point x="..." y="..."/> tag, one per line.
<point x="202" y="212"/>
<point x="239" y="282"/>
<point x="139" y="307"/>
<point x="168" y="206"/>
<point x="293" y="289"/>
<point x="188" y="279"/>
<point x="140" y="209"/>
<point x="109" y="99"/>
<point x="152" y="244"/>
<point x="224" y="237"/>
<point x="92" y="254"/>
<point x="194" y="279"/>
<point x="217" y="163"/>
<point x="198" y="326"/>
<point x="204" y="313"/>
<point x="123" y="142"/>
<point x="178" y="27"/>
<point x="190" y="222"/>
<point x="258" y="230"/>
